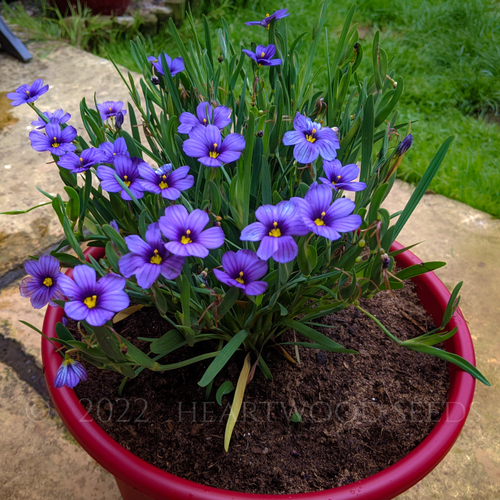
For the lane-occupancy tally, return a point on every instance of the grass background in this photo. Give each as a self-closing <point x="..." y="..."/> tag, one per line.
<point x="448" y="51"/>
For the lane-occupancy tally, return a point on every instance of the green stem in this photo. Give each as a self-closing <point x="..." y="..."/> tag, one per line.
<point x="381" y="326"/>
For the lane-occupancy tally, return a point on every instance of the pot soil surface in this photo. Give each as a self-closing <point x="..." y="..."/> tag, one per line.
<point x="360" y="412"/>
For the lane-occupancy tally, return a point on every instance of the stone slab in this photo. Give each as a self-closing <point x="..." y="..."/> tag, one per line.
<point x="71" y="75"/>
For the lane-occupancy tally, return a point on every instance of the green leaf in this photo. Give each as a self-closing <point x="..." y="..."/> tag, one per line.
<point x="168" y="342"/>
<point x="296" y="418"/>
<point x="138" y="356"/>
<point x="226" y="388"/>
<point x="160" y="300"/>
<point x="66" y="259"/>
<point x="63" y="333"/>
<point x="312" y="334"/>
<point x="115" y="237"/>
<point x="320" y="347"/>
<point x="224" y="356"/>
<point x="228" y="301"/>
<point x="108" y="343"/>
<point x="452" y="358"/>
<point x="422" y="186"/>
<point x="18" y="212"/>
<point x="452" y="305"/>
<point x="418" y="269"/>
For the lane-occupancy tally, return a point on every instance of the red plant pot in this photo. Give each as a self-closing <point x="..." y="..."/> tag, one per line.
<point x="138" y="480"/>
<point x="104" y="7"/>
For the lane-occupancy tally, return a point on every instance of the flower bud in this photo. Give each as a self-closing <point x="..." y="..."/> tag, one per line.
<point x="405" y="145"/>
<point x="260" y="133"/>
<point x="220" y="58"/>
<point x="358" y="259"/>
<point x="119" y="120"/>
<point x="361" y="243"/>
<point x="155" y="80"/>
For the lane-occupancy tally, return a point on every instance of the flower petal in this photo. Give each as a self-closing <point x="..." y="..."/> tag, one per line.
<point x="287" y="249"/>
<point x="268" y="246"/>
<point x="213" y="237"/>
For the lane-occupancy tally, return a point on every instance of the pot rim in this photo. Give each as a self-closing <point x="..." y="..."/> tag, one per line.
<point x="384" y="485"/>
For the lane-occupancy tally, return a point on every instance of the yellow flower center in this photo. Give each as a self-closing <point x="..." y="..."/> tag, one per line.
<point x="186" y="239"/>
<point x="90" y="302"/>
<point x="28" y="92"/>
<point x="81" y="159"/>
<point x="276" y="232"/>
<point x="47" y="281"/>
<point x="163" y="184"/>
<point x="55" y="144"/>
<point x="319" y="221"/>
<point x="204" y="120"/>
<point x="240" y="279"/>
<point x="109" y="109"/>
<point x="126" y="181"/>
<point x="156" y="259"/>
<point x="267" y="15"/>
<point x="262" y="54"/>
<point x="336" y="180"/>
<point x="213" y="154"/>
<point x="311" y="137"/>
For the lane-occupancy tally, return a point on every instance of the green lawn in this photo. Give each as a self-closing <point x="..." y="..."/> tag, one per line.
<point x="448" y="51"/>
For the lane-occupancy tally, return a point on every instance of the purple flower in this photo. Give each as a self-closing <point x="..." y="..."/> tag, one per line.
<point x="58" y="116"/>
<point x="279" y="14"/>
<point x="325" y="218"/>
<point x="339" y="177"/>
<point x="148" y="259"/>
<point x="404" y="145"/>
<point x="263" y="55"/>
<point x="70" y="373"/>
<point x="26" y="93"/>
<point x="205" y="115"/>
<point x="114" y="225"/>
<point x="243" y="269"/>
<point x="311" y="140"/>
<point x="164" y="181"/>
<point x="206" y="144"/>
<point x="175" y="66"/>
<point x="91" y="300"/>
<point x="127" y="171"/>
<point x="56" y="141"/>
<point x="82" y="162"/>
<point x="110" y="150"/>
<point x="276" y="226"/>
<point x="107" y="109"/>
<point x="43" y="283"/>
<point x="186" y="232"/>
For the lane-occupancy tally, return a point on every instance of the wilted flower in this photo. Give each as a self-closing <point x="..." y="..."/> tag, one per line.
<point x="205" y="115"/>
<point x="339" y="177"/>
<point x="175" y="66"/>
<point x="404" y="145"/>
<point x="155" y="80"/>
<point x="111" y="150"/>
<point x="70" y="373"/>
<point x="148" y="259"/>
<point x="56" y="140"/>
<point x="43" y="283"/>
<point x="93" y="301"/>
<point x="311" y="140"/>
<point x="82" y="162"/>
<point x="276" y="226"/>
<point x="206" y="144"/>
<point x="26" y="93"/>
<point x="263" y="55"/>
<point x="107" y="109"/>
<point x="165" y="181"/>
<point x="127" y="171"/>
<point x="279" y="14"/>
<point x="187" y="234"/>
<point x="242" y="270"/>
<point x="325" y="218"/>
<point x="58" y="116"/>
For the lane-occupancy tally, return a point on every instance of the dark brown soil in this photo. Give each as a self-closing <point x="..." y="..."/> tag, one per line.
<point x="361" y="412"/>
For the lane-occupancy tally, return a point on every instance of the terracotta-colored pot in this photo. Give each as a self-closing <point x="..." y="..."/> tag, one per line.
<point x="104" y="7"/>
<point x="139" y="480"/>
